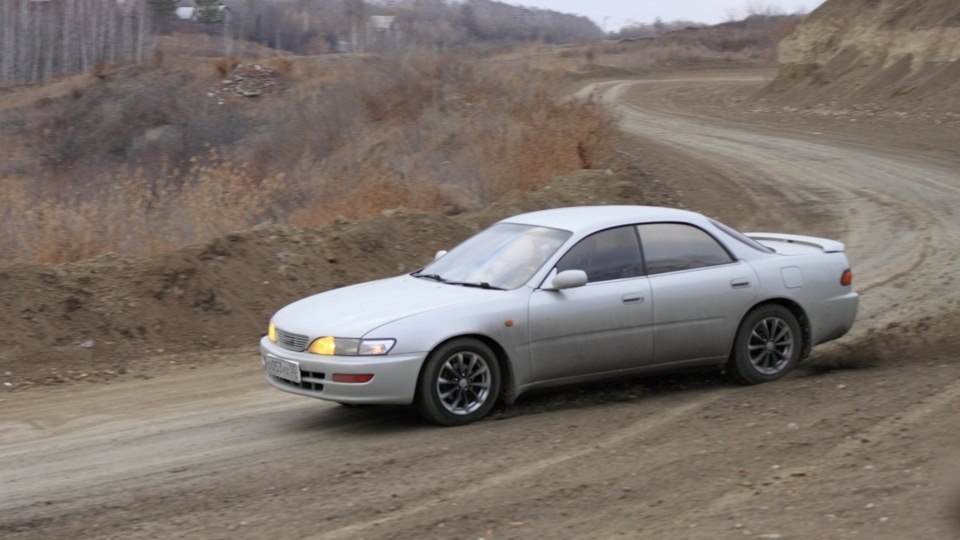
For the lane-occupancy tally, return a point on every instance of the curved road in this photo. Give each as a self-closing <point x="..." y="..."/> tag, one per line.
<point x="898" y="213"/>
<point x="859" y="444"/>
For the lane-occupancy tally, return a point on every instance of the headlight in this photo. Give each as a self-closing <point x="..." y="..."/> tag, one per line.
<point x="329" y="346"/>
<point x="376" y="347"/>
<point x="272" y="332"/>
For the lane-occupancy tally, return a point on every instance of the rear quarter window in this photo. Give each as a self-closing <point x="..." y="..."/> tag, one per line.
<point x="742" y="238"/>
<point x="672" y="247"/>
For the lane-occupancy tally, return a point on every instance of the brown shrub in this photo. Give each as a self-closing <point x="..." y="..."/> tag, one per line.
<point x="224" y="66"/>
<point x="99" y="70"/>
<point x="283" y="66"/>
<point x="437" y="132"/>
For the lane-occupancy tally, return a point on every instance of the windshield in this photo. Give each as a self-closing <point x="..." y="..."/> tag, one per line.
<point x="504" y="256"/>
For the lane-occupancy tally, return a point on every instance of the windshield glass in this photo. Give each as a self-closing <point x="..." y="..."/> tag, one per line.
<point x="504" y="256"/>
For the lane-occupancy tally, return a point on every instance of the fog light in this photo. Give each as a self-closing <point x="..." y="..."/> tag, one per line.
<point x="350" y="378"/>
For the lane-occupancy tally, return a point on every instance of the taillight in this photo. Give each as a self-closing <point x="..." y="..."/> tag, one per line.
<point x="847" y="278"/>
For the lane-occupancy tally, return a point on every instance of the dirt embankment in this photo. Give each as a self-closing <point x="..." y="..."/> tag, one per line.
<point x="881" y="54"/>
<point x="92" y="320"/>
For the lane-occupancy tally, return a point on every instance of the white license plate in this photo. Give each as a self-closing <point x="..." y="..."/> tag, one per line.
<point x="285" y="369"/>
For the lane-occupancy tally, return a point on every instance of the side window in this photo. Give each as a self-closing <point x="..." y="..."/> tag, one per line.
<point x="606" y="255"/>
<point x="669" y="247"/>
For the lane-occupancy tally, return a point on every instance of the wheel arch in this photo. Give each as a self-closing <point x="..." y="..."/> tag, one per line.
<point x="802" y="319"/>
<point x="507" y="385"/>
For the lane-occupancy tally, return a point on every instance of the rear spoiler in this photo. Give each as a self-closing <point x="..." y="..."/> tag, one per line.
<point x="828" y="246"/>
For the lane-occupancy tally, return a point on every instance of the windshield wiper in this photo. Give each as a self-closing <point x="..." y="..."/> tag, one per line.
<point x="479" y="285"/>
<point x="441" y="279"/>
<point x="435" y="277"/>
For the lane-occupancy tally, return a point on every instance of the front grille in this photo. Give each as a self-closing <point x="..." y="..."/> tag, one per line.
<point x="293" y="342"/>
<point x="309" y="380"/>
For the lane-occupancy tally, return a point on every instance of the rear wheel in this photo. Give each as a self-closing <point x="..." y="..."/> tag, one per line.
<point x="767" y="346"/>
<point x="459" y="384"/>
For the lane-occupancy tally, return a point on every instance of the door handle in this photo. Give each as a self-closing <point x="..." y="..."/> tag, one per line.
<point x="740" y="283"/>
<point x="635" y="298"/>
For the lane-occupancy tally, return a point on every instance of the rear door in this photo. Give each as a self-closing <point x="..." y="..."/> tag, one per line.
<point x="699" y="292"/>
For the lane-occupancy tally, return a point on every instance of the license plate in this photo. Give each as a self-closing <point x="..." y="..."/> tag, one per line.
<point x="285" y="369"/>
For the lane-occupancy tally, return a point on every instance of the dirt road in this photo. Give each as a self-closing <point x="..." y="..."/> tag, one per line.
<point x="861" y="442"/>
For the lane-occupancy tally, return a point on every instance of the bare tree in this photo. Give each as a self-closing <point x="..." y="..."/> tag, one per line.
<point x="40" y="39"/>
<point x="8" y="44"/>
<point x="759" y="8"/>
<point x="164" y="12"/>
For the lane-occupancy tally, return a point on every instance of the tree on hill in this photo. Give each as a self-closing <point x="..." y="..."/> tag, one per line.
<point x="209" y="11"/>
<point x="164" y="12"/>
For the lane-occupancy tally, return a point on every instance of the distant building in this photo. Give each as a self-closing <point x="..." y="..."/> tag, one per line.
<point x="382" y="32"/>
<point x="186" y="13"/>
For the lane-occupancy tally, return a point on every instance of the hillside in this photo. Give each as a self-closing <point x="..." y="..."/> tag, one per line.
<point x="139" y="160"/>
<point x="890" y="54"/>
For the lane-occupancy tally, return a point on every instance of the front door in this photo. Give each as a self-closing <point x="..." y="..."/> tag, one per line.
<point x="604" y="326"/>
<point x="596" y="328"/>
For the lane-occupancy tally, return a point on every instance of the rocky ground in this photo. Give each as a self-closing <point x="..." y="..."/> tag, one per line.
<point x="245" y="81"/>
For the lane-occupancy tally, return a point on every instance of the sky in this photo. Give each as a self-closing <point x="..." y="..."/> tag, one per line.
<point x="611" y="15"/>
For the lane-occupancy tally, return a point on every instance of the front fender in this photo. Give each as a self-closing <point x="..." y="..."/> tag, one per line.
<point x="501" y="318"/>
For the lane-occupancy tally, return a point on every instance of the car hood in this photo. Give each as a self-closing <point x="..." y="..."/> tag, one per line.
<point x="352" y="312"/>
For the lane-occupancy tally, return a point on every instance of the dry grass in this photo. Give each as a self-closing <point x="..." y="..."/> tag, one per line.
<point x="138" y="214"/>
<point x="752" y="39"/>
<point x="345" y="140"/>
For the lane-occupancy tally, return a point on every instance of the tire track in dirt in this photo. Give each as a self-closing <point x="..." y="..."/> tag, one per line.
<point x="943" y="402"/>
<point x="658" y="419"/>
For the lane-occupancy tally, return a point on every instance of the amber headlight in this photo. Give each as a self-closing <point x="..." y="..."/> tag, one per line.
<point x="330" y="346"/>
<point x="272" y="332"/>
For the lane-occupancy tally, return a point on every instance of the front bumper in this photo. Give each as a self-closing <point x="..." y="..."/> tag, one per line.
<point x="394" y="376"/>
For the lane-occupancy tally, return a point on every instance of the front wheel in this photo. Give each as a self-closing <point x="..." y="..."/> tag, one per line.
<point x="767" y="345"/>
<point x="459" y="384"/>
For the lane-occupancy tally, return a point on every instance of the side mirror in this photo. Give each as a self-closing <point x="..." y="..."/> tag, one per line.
<point x="569" y="279"/>
<point x="439" y="254"/>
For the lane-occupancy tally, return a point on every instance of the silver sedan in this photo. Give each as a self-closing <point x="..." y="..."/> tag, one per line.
<point x="565" y="296"/>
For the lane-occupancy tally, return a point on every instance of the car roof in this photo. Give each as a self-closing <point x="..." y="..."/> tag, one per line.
<point x="593" y="218"/>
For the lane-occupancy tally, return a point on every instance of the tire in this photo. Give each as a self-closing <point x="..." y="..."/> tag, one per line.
<point x="459" y="384"/>
<point x="767" y="346"/>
